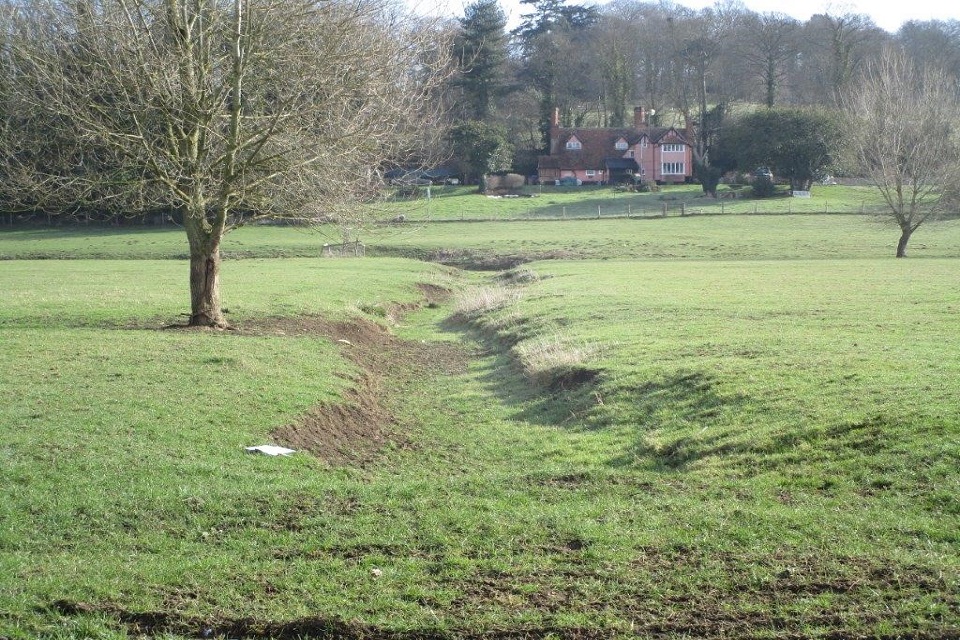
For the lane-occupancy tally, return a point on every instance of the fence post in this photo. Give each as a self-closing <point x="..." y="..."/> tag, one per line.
<point x="683" y="208"/>
<point x="628" y="210"/>
<point x="721" y="207"/>
<point x="564" y="212"/>
<point x="664" y="215"/>
<point x="598" y="212"/>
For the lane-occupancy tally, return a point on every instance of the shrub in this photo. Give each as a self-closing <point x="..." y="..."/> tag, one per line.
<point x="763" y="187"/>
<point x="508" y="182"/>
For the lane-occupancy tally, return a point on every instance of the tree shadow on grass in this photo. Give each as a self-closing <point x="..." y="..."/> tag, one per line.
<point x="685" y="401"/>
<point x="566" y="397"/>
<point x="687" y="408"/>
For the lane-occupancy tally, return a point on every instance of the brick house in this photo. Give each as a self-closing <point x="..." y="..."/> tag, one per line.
<point x="608" y="155"/>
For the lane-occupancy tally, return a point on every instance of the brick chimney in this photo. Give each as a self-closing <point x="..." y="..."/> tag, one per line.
<point x="688" y="128"/>
<point x="554" y="131"/>
<point x="639" y="118"/>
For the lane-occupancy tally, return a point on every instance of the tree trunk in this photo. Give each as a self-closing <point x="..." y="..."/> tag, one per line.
<point x="771" y="82"/>
<point x="205" y="308"/>
<point x="902" y="245"/>
<point x="204" y="238"/>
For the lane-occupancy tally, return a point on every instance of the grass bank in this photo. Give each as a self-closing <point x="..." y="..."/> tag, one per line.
<point x="686" y="446"/>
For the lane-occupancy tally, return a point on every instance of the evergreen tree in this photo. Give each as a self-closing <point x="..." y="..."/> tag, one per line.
<point x="550" y="15"/>
<point x="481" y="48"/>
<point x="551" y="40"/>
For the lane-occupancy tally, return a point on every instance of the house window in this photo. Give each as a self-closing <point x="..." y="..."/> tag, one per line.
<point x="672" y="169"/>
<point x="621" y="145"/>
<point x="573" y="143"/>
<point x="591" y="173"/>
<point x="630" y="153"/>
<point x="673" y="147"/>
<point x="643" y="143"/>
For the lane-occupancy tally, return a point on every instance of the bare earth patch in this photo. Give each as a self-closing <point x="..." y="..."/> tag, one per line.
<point x="356" y="430"/>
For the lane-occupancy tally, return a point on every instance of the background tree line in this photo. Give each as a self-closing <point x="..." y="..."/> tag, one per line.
<point x="710" y="68"/>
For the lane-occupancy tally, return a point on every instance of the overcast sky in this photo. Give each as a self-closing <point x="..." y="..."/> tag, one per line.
<point x="887" y="14"/>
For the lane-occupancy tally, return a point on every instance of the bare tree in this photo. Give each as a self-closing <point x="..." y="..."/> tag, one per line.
<point x="223" y="111"/>
<point x="903" y="130"/>
<point x="702" y="42"/>
<point x="768" y="44"/>
<point x="933" y="42"/>
<point x="833" y="48"/>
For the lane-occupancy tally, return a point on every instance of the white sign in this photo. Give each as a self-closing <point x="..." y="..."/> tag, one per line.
<point x="801" y="194"/>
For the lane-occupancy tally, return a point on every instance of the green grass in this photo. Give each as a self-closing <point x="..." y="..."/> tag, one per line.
<point x="550" y="202"/>
<point x="144" y="243"/>
<point x="766" y="444"/>
<point x="694" y="237"/>
<point x="76" y="293"/>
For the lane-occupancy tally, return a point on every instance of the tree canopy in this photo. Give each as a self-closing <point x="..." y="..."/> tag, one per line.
<point x="480" y="148"/>
<point x="221" y="111"/>
<point x="796" y="144"/>
<point x="481" y="50"/>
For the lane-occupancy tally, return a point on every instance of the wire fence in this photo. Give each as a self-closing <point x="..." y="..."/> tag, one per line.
<point x="440" y="207"/>
<point x="458" y="204"/>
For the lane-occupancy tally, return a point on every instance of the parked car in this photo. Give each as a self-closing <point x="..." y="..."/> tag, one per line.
<point x="763" y="172"/>
<point x="569" y="181"/>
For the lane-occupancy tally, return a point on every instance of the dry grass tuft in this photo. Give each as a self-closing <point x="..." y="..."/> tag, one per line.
<point x="544" y="359"/>
<point x="476" y="301"/>
<point x="520" y="275"/>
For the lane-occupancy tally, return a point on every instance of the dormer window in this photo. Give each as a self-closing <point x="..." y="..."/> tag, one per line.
<point x="621" y="145"/>
<point x="574" y="144"/>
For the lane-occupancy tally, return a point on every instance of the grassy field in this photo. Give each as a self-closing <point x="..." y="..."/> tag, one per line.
<point x="445" y="203"/>
<point x="740" y="237"/>
<point x="738" y="426"/>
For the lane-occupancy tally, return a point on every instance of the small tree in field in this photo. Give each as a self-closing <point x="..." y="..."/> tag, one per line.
<point x="221" y="111"/>
<point x="903" y="132"/>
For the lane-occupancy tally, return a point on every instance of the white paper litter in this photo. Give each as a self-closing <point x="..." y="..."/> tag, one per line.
<point x="271" y="450"/>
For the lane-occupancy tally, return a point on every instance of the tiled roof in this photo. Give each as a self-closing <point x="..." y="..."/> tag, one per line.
<point x="597" y="145"/>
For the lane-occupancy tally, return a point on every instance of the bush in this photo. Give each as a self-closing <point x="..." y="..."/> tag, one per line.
<point x="763" y="187"/>
<point x="508" y="182"/>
